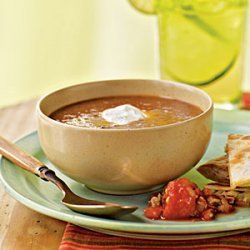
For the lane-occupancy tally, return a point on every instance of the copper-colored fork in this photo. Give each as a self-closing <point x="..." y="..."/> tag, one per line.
<point x="71" y="200"/>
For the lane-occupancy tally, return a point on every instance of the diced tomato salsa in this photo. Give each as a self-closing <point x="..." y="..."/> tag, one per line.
<point x="182" y="199"/>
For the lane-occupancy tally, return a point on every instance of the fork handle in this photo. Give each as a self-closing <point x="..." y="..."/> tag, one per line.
<point x="10" y="151"/>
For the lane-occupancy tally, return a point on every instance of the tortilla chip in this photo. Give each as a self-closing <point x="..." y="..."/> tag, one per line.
<point x="238" y="149"/>
<point x="216" y="170"/>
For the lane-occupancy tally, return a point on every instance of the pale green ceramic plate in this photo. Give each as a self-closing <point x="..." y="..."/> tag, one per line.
<point x="45" y="198"/>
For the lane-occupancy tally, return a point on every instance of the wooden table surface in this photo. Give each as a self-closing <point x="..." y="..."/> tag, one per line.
<point x="20" y="227"/>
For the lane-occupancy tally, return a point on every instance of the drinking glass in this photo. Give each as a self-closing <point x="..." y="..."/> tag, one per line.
<point x="201" y="44"/>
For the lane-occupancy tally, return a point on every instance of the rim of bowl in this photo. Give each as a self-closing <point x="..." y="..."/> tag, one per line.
<point x="44" y="116"/>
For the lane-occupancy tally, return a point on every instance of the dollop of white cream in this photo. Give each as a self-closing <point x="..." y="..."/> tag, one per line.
<point x="123" y="114"/>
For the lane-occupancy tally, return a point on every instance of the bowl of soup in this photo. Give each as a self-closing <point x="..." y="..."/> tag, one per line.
<point x="125" y="136"/>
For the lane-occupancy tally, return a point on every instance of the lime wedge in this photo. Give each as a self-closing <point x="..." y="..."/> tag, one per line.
<point x="145" y="6"/>
<point x="204" y="81"/>
<point x="195" y="51"/>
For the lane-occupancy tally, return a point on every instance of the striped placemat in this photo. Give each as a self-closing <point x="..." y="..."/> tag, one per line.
<point x="79" y="238"/>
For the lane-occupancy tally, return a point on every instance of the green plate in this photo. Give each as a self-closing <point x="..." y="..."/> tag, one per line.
<point x="45" y="198"/>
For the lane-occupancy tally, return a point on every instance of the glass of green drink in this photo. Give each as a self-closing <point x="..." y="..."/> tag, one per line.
<point x="201" y="43"/>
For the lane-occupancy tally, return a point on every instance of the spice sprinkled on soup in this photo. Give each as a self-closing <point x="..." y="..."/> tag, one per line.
<point x="126" y="112"/>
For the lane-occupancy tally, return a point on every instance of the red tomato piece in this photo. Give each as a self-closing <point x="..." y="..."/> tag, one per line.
<point x="179" y="199"/>
<point x="153" y="213"/>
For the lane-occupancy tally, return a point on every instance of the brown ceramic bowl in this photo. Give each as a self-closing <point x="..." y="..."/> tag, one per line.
<point x="122" y="161"/>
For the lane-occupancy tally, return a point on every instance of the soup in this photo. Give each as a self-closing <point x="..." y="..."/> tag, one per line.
<point x="156" y="111"/>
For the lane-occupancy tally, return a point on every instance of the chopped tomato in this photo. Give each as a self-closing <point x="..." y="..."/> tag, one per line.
<point x="182" y="199"/>
<point x="153" y="213"/>
<point x="179" y="199"/>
